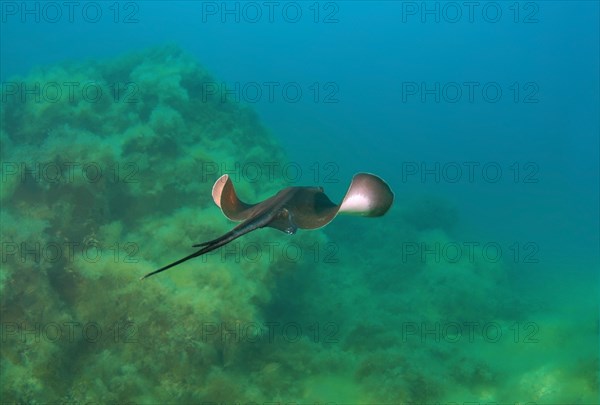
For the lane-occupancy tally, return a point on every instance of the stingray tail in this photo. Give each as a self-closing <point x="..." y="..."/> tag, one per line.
<point x="240" y="230"/>
<point x="168" y="266"/>
<point x="207" y="247"/>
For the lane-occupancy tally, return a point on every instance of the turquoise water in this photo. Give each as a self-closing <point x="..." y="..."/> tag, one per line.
<point x="480" y="285"/>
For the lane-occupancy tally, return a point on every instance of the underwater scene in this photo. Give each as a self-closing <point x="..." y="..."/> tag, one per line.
<point x="426" y="181"/>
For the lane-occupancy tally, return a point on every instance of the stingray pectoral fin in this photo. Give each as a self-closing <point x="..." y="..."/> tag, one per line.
<point x="225" y="197"/>
<point x="368" y="195"/>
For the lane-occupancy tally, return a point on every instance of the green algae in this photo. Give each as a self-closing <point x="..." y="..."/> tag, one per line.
<point x="151" y="203"/>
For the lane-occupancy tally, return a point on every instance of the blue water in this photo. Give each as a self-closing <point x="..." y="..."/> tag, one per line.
<point x="493" y="111"/>
<point x="367" y="52"/>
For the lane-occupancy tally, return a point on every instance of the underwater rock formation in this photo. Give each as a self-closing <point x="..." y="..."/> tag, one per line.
<point x="98" y="190"/>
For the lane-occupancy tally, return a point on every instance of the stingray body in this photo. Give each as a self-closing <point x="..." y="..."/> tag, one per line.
<point x="292" y="208"/>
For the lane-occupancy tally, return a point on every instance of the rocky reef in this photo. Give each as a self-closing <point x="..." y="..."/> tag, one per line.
<point x="107" y="171"/>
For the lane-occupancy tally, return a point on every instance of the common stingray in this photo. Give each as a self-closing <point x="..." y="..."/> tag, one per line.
<point x="292" y="208"/>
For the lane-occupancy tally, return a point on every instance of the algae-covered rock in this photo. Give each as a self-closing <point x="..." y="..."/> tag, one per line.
<point x="98" y="190"/>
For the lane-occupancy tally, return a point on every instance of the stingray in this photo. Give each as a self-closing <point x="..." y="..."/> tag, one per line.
<point x="292" y="208"/>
